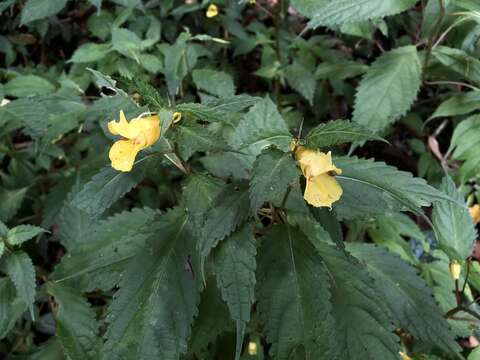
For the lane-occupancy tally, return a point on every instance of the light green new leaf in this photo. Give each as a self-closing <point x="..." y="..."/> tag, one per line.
<point x="459" y="104"/>
<point x="11" y="306"/>
<point x="455" y="228"/>
<point x="408" y="297"/>
<point x="293" y="294"/>
<point x="273" y="171"/>
<point x="76" y="327"/>
<point x="40" y="9"/>
<point x="362" y="327"/>
<point x="338" y="132"/>
<point x="214" y="82"/>
<point x="150" y="316"/>
<point x="22" y="233"/>
<point x="90" y="52"/>
<point x="388" y="89"/>
<point x="260" y="127"/>
<point x="28" y="85"/>
<point x="235" y="269"/>
<point x="374" y="188"/>
<point x="20" y="269"/>
<point x="465" y="144"/>
<point x="459" y="61"/>
<point x="350" y="11"/>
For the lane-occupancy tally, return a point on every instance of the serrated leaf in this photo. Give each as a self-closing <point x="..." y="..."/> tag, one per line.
<point x="22" y="233"/>
<point x="308" y="8"/>
<point x="214" y="82"/>
<point x="374" y="188"/>
<point x="28" y="85"/>
<point x="90" y="52"/>
<point x="20" y="269"/>
<point x="273" y="171"/>
<point x="459" y="61"/>
<point x="40" y="9"/>
<point x="459" y="104"/>
<point x="75" y="226"/>
<point x="191" y="139"/>
<point x="108" y="186"/>
<point x="350" y="11"/>
<point x="465" y="144"/>
<point x="11" y="307"/>
<point x="10" y="202"/>
<point x="229" y="210"/>
<point x="151" y="314"/>
<point x="408" y="297"/>
<point x="388" y="89"/>
<point x="50" y="350"/>
<point x="301" y="80"/>
<point x="260" y="127"/>
<point x="235" y="266"/>
<point x="76" y="327"/>
<point x="455" y="228"/>
<point x="340" y="70"/>
<point x="290" y="279"/>
<point x="362" y="327"/>
<point x="338" y="132"/>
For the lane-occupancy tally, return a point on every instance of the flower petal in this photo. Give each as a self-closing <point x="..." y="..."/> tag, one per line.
<point x="314" y="163"/>
<point x="322" y="190"/>
<point x="148" y="127"/>
<point x="122" y="154"/>
<point x="123" y="127"/>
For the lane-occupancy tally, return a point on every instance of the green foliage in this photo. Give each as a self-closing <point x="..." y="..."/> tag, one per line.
<point x="465" y="147"/>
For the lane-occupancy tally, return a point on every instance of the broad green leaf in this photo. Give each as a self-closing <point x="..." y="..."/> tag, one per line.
<point x="340" y="70"/>
<point x="151" y="63"/>
<point x="260" y="127"/>
<point x="388" y="89"/>
<point x="50" y="350"/>
<point x="40" y="9"/>
<point x="76" y="327"/>
<point x="75" y="225"/>
<point x="22" y="233"/>
<point x="28" y="85"/>
<point x="362" y="328"/>
<point x="465" y="144"/>
<point x="104" y="253"/>
<point x="407" y="296"/>
<point x="20" y="269"/>
<point x="374" y="188"/>
<point x="308" y="8"/>
<point x="126" y="42"/>
<point x="301" y="80"/>
<point x="459" y="104"/>
<point x="150" y="316"/>
<point x="273" y="171"/>
<point x="350" y="11"/>
<point x="191" y="139"/>
<point x="214" y="82"/>
<point x="432" y="14"/>
<point x="11" y="307"/>
<point x="235" y="266"/>
<point x="229" y="210"/>
<point x="179" y="60"/>
<point x="459" y="61"/>
<point x="90" y="52"/>
<point x="290" y="279"/>
<point x="10" y="202"/>
<point x="228" y="165"/>
<point x="454" y="225"/>
<point x="108" y="186"/>
<point x="338" y="132"/>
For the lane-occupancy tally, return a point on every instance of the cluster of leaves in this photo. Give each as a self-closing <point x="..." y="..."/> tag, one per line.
<point x="207" y="249"/>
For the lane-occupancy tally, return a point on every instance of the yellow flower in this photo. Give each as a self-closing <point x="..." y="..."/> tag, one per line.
<point x="212" y="11"/>
<point x="322" y="188"/>
<point x="137" y="135"/>
<point x="455" y="269"/>
<point x="404" y="356"/>
<point x="177" y="116"/>
<point x="475" y="213"/>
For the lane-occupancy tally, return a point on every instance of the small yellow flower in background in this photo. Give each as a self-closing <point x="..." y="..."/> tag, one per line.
<point x="455" y="269"/>
<point x="177" y="116"/>
<point x="137" y="135"/>
<point x="404" y="356"/>
<point x="475" y="213"/>
<point x="252" y="348"/>
<point x="322" y="188"/>
<point x="252" y="2"/>
<point x="212" y="11"/>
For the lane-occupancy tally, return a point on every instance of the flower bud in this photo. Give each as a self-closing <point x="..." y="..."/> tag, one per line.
<point x="455" y="269"/>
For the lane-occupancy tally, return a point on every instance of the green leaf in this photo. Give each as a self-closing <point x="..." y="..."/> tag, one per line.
<point x="20" y="269"/>
<point x="22" y="233"/>
<point x="50" y="350"/>
<point x="10" y="202"/>
<point x="40" y="9"/>
<point x="301" y="80"/>
<point x="229" y="210"/>
<point x="28" y="85"/>
<point x="235" y="269"/>
<point x="191" y="139"/>
<point x="290" y="279"/>
<point x="179" y="60"/>
<point x="459" y="104"/>
<point x="90" y="52"/>
<point x="396" y="75"/>
<point x="11" y="307"/>
<point x="374" y="188"/>
<point x="340" y="70"/>
<point x="362" y="327"/>
<point x="272" y="173"/>
<point x="76" y="327"/>
<point x="465" y="144"/>
<point x="260" y="127"/>
<point x="75" y="226"/>
<point x="151" y="314"/>
<point x="338" y="132"/>
<point x="108" y="186"/>
<point x="460" y="62"/>
<point x="350" y="11"/>
<point x="455" y="228"/>
<point x="126" y="42"/>
<point x="308" y="8"/>
<point x="214" y="82"/>
<point x="408" y="297"/>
